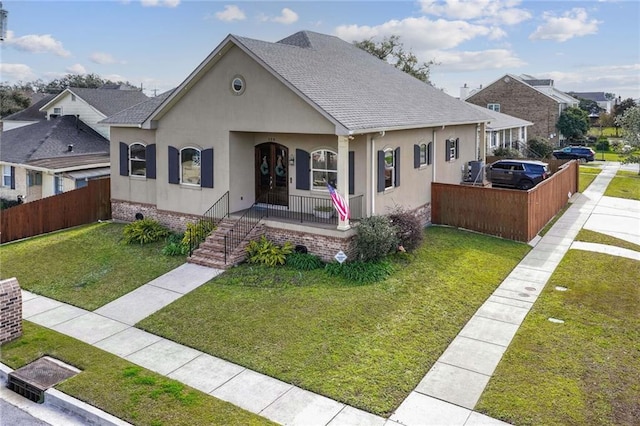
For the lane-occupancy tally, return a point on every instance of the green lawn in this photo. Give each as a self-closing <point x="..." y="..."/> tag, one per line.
<point x="589" y="236"/>
<point x="626" y="184"/>
<point x="121" y="388"/>
<point x="368" y="345"/>
<point x="585" y="371"/>
<point x="87" y="266"/>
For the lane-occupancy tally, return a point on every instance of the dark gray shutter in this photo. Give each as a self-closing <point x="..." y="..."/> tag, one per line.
<point x="430" y="153"/>
<point x="206" y="161"/>
<point x="416" y="156"/>
<point x="381" y="167"/>
<point x="447" y="151"/>
<point x="397" y="168"/>
<point x="13" y="177"/>
<point x="352" y="172"/>
<point x="457" y="147"/>
<point x="124" y="159"/>
<point x="174" y="165"/>
<point x="151" y="161"/>
<point x="302" y="169"/>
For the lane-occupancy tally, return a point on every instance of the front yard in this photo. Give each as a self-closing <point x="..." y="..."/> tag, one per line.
<point x="367" y="345"/>
<point x="88" y="266"/>
<point x="626" y="184"/>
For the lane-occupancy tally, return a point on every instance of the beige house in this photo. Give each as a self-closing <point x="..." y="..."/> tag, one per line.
<point x="266" y="125"/>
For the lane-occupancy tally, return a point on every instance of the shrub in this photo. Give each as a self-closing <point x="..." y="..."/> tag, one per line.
<point x="507" y="152"/>
<point x="196" y="233"/>
<point x="304" y="261"/>
<point x="539" y="148"/>
<point x="360" y="272"/>
<point x="144" y="231"/>
<point x="267" y="252"/>
<point x="174" y="246"/>
<point x="603" y="145"/>
<point x="6" y="203"/>
<point x="375" y="238"/>
<point x="409" y="229"/>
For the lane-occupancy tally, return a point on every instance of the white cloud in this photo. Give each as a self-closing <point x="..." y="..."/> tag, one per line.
<point x="231" y="13"/>
<point x="287" y="16"/>
<point x="573" y="23"/>
<point x="420" y="33"/>
<point x="76" y="69"/>
<point x="157" y="3"/>
<point x="494" y="11"/>
<point x="16" y="72"/>
<point x="476" y="60"/>
<point x="102" y="58"/>
<point x="35" y="43"/>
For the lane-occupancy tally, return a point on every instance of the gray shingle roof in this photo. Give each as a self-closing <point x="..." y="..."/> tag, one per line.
<point x="32" y="112"/>
<point x="591" y="96"/>
<point x="501" y="121"/>
<point x="138" y="113"/>
<point x="356" y="89"/>
<point x="50" y="139"/>
<point x="109" y="101"/>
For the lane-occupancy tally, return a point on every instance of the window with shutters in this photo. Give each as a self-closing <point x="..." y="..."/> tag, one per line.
<point x="324" y="169"/>
<point x="6" y="176"/>
<point x="423" y="154"/>
<point x="137" y="159"/>
<point x="389" y="168"/>
<point x="190" y="166"/>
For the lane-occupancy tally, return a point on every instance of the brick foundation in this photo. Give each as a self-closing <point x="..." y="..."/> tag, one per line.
<point x="10" y="310"/>
<point x="323" y="246"/>
<point x="126" y="211"/>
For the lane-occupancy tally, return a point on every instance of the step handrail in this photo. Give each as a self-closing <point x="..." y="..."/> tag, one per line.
<point x="241" y="228"/>
<point x="212" y="217"/>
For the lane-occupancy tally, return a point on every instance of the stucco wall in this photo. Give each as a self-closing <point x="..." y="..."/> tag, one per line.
<point x="523" y="101"/>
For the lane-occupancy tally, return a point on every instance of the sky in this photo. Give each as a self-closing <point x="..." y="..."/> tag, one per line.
<point x="584" y="46"/>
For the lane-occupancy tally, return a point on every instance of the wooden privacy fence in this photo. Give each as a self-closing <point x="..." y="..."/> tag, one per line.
<point x="507" y="213"/>
<point x="84" y="205"/>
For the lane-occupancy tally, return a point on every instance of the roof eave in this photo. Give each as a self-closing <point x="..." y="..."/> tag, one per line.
<point x="414" y="126"/>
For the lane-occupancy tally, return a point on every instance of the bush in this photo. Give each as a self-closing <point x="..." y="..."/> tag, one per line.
<point x="198" y="232"/>
<point x="6" y="203"/>
<point x="268" y="253"/>
<point x="408" y="229"/>
<point x="507" y="152"/>
<point x="603" y="145"/>
<point x="144" y="231"/>
<point x="304" y="261"/>
<point x="539" y="148"/>
<point x="376" y="237"/>
<point x="360" y="272"/>
<point x="174" y="246"/>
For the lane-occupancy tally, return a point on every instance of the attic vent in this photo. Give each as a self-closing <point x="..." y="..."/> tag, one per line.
<point x="69" y="147"/>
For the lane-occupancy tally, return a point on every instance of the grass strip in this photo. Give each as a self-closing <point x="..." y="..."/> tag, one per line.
<point x="585" y="371"/>
<point x="88" y="266"/>
<point x="625" y="184"/>
<point x="589" y="236"/>
<point x="121" y="388"/>
<point x="365" y="345"/>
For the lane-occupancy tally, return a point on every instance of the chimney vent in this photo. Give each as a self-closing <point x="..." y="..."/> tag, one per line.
<point x="69" y="147"/>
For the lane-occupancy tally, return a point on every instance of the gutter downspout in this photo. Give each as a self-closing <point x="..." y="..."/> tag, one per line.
<point x="435" y="157"/>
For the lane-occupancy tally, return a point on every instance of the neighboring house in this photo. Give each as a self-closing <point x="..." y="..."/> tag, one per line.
<point x="534" y="100"/>
<point x="93" y="105"/>
<point x="281" y="119"/>
<point x="505" y="131"/>
<point x="49" y="157"/>
<point x="597" y="97"/>
<point x="29" y="115"/>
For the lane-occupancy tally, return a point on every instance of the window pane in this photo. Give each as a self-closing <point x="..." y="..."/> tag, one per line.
<point x="388" y="170"/>
<point x="332" y="161"/>
<point x="138" y="151"/>
<point x="138" y="168"/>
<point x="423" y="154"/>
<point x="319" y="160"/>
<point x="190" y="159"/>
<point x="320" y="179"/>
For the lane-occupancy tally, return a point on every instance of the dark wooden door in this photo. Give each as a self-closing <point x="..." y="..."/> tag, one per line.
<point x="272" y="174"/>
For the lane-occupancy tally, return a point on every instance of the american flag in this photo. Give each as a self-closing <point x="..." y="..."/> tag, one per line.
<point x="339" y="203"/>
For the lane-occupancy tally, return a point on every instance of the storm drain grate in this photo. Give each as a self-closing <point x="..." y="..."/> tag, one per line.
<point x="33" y="379"/>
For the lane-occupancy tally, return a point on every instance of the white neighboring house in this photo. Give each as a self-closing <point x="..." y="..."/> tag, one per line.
<point x="504" y="131"/>
<point x="93" y="105"/>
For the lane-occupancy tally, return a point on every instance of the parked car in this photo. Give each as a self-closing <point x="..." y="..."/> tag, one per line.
<point x="582" y="153"/>
<point x="520" y="174"/>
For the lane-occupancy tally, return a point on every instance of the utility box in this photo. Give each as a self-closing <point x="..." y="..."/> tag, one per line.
<point x="474" y="172"/>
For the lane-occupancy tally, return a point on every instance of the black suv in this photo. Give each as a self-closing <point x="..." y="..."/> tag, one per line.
<point x="582" y="153"/>
<point x="520" y="174"/>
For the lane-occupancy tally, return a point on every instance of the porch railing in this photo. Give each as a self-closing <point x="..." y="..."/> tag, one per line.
<point x="307" y="209"/>
<point x="209" y="220"/>
<point x="240" y="229"/>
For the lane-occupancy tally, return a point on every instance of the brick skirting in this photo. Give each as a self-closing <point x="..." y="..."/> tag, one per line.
<point x="10" y="310"/>
<point x="126" y="211"/>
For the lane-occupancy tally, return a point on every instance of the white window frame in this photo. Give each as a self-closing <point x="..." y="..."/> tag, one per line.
<point x="133" y="160"/>
<point x="183" y="180"/>
<point x="58" y="184"/>
<point x="57" y="111"/>
<point x="390" y="168"/>
<point x="326" y="171"/>
<point x="424" y="154"/>
<point x="6" y="176"/>
<point x="494" y="107"/>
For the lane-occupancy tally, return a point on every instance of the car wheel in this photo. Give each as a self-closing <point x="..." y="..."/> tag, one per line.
<point x="525" y="185"/>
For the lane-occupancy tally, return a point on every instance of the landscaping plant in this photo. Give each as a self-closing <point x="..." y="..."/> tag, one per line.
<point x="196" y="233"/>
<point x="267" y="252"/>
<point x="144" y="231"/>
<point x="175" y="245"/>
<point x="304" y="261"/>
<point x="376" y="237"/>
<point x="360" y="272"/>
<point x="409" y="229"/>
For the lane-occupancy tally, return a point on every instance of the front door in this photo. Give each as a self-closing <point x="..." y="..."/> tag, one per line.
<point x="272" y="174"/>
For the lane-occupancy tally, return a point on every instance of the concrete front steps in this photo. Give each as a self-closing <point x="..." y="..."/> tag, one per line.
<point x="211" y="251"/>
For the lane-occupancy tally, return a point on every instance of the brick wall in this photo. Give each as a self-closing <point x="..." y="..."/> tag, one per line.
<point x="323" y="246"/>
<point x="10" y="310"/>
<point x="126" y="212"/>
<point x="523" y="101"/>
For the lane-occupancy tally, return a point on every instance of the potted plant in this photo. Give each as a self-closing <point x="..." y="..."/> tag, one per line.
<point x="324" y="212"/>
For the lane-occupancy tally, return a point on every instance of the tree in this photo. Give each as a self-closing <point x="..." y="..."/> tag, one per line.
<point x="629" y="122"/>
<point x="620" y="108"/>
<point x="591" y="107"/>
<point x="539" y="148"/>
<point x="573" y="123"/>
<point x="12" y="100"/>
<point x="391" y="50"/>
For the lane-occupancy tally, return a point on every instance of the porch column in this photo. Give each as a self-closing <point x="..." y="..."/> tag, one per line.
<point x="343" y="176"/>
